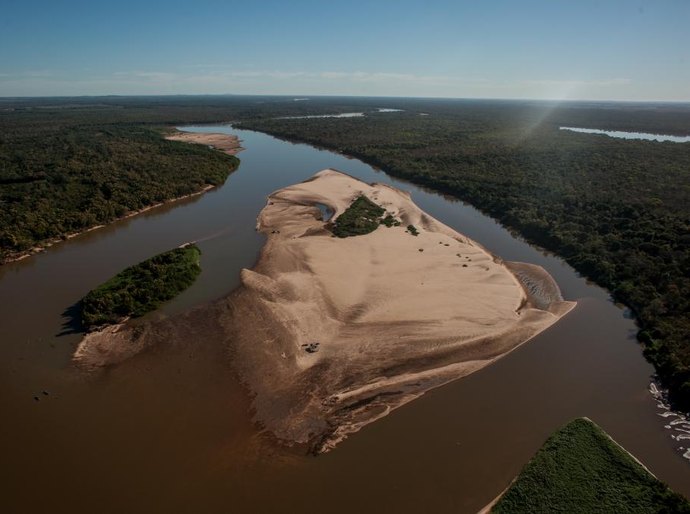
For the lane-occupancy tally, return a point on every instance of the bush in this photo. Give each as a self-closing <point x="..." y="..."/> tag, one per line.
<point x="361" y="217"/>
<point x="412" y="230"/>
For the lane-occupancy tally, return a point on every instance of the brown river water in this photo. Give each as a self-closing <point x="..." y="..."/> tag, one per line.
<point x="171" y="430"/>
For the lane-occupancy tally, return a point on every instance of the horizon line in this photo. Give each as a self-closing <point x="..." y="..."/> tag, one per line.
<point x="282" y="95"/>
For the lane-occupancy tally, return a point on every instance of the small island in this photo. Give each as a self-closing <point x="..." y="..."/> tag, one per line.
<point x="580" y="469"/>
<point x="141" y="288"/>
<point x="132" y="293"/>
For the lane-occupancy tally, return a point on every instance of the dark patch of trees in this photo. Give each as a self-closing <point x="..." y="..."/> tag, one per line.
<point x="141" y="288"/>
<point x="361" y="217"/>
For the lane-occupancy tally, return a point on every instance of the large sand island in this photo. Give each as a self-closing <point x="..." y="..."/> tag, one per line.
<point x="330" y="333"/>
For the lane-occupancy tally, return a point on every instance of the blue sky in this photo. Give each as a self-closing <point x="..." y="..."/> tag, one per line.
<point x="562" y="49"/>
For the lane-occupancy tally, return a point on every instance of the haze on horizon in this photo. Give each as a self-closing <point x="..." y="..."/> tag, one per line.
<point x="586" y="50"/>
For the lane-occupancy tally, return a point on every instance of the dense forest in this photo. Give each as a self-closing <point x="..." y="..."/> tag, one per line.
<point x="616" y="210"/>
<point x="579" y="469"/>
<point x="60" y="178"/>
<point x="141" y="288"/>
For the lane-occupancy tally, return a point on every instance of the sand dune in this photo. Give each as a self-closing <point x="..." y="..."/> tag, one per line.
<point x="330" y="334"/>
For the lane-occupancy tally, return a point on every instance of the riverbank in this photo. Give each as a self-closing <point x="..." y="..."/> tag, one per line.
<point x="226" y="143"/>
<point x="43" y="247"/>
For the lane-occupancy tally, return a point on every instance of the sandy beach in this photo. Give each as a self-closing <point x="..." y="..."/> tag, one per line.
<point x="224" y="142"/>
<point x="329" y="334"/>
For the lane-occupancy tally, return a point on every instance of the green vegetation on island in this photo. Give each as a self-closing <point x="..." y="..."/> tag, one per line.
<point x="580" y="469"/>
<point x="361" y="217"/>
<point x="141" y="288"/>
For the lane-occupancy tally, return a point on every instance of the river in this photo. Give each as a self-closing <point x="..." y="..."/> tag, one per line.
<point x="171" y="430"/>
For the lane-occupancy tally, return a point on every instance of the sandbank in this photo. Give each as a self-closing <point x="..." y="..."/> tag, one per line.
<point x="226" y="143"/>
<point x="329" y="334"/>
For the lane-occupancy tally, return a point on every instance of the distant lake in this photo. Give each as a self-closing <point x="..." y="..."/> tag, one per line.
<point x="341" y="115"/>
<point x="631" y="135"/>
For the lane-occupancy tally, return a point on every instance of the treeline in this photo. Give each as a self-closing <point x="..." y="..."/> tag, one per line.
<point x="616" y="210"/>
<point x="141" y="288"/>
<point x="59" y="179"/>
<point x="168" y="110"/>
